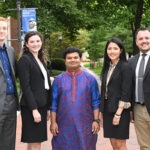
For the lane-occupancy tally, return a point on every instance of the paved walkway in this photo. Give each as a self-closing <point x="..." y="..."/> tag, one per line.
<point x="102" y="144"/>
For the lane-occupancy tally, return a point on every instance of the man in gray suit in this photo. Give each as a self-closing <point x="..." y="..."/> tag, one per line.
<point x="141" y="94"/>
<point x="8" y="92"/>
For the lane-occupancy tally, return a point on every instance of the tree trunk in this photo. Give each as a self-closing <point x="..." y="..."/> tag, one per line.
<point x="137" y="23"/>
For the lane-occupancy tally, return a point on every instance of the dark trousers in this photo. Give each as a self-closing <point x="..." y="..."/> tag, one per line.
<point x="8" y="124"/>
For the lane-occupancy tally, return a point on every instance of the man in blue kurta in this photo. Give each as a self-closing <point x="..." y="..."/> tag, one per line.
<point x="75" y="106"/>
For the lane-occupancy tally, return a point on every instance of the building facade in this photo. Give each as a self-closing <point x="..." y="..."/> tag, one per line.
<point x="12" y="39"/>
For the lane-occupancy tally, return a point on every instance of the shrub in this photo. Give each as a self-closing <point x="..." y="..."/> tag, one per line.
<point x="58" y="64"/>
<point x="55" y="72"/>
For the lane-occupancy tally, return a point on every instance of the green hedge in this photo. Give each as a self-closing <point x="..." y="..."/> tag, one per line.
<point x="55" y="72"/>
<point x="58" y="64"/>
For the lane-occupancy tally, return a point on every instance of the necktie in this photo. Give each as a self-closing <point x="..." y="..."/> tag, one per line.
<point x="140" y="79"/>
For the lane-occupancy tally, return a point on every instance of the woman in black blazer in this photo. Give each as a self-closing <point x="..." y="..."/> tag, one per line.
<point x="115" y="94"/>
<point x="35" y="85"/>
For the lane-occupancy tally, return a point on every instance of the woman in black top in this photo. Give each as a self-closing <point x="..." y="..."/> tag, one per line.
<point x="115" y="94"/>
<point x="35" y="85"/>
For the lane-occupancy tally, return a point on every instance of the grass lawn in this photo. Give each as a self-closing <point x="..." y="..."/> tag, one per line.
<point x="96" y="69"/>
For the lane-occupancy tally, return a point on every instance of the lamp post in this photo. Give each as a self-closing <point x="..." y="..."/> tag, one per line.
<point x="60" y="41"/>
<point x="18" y="9"/>
<point x="19" y="24"/>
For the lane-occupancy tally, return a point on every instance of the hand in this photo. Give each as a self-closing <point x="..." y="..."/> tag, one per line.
<point x="54" y="129"/>
<point x="95" y="127"/>
<point x="48" y="115"/>
<point x="101" y="120"/>
<point x="116" y="120"/>
<point x="36" y="116"/>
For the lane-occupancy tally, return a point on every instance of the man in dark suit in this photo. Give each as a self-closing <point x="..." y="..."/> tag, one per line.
<point x="8" y="93"/>
<point x="141" y="94"/>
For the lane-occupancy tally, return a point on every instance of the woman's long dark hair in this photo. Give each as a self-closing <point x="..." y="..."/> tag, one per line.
<point x="42" y="52"/>
<point x="107" y="59"/>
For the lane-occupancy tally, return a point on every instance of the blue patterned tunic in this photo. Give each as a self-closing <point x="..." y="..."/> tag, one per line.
<point x="74" y="97"/>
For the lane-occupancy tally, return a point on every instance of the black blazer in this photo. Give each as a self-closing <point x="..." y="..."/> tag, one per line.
<point x="118" y="88"/>
<point x="31" y="78"/>
<point x="146" y="81"/>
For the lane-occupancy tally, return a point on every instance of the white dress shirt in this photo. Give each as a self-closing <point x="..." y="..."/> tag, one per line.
<point x="137" y="70"/>
<point x="45" y="76"/>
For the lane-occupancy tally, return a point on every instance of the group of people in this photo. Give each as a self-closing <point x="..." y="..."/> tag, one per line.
<point x="74" y="104"/>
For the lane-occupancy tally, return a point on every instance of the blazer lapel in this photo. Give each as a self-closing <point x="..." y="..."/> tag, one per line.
<point x="116" y="70"/>
<point x="34" y="61"/>
<point x="10" y="57"/>
<point x="1" y="66"/>
<point x="147" y="68"/>
<point x="135" y="61"/>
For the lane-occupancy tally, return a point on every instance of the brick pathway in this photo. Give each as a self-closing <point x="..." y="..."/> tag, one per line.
<point x="102" y="144"/>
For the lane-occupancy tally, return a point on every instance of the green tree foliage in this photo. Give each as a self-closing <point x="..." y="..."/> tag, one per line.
<point x="126" y="14"/>
<point x="69" y="16"/>
<point x="56" y="47"/>
<point x="99" y="37"/>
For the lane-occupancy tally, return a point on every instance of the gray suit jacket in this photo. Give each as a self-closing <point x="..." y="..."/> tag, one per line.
<point x="11" y="56"/>
<point x="146" y="81"/>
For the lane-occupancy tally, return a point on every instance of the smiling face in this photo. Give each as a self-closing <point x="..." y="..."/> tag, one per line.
<point x="73" y="61"/>
<point x="3" y="31"/>
<point x="34" y="44"/>
<point x="143" y="40"/>
<point x="113" y="52"/>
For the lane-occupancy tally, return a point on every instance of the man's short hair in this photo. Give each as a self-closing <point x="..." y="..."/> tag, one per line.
<point x="3" y="19"/>
<point x="72" y="50"/>
<point x="141" y="29"/>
